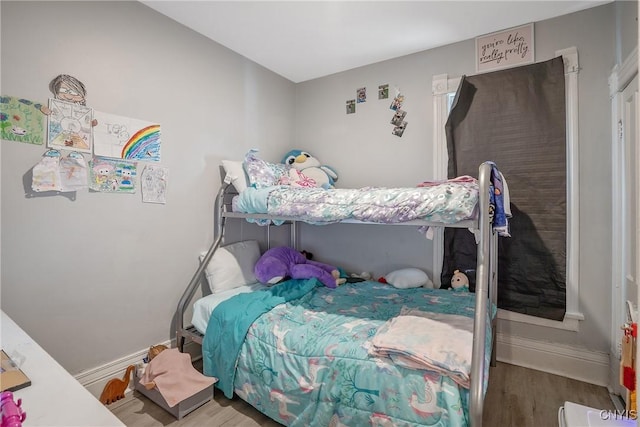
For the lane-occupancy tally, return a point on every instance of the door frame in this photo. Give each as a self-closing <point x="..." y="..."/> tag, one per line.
<point x="619" y="79"/>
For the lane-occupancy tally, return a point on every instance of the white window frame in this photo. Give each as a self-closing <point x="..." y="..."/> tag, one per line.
<point x="442" y="88"/>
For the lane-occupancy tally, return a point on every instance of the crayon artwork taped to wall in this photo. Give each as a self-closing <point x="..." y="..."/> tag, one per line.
<point x="21" y="120"/>
<point x="126" y="138"/>
<point x="112" y="176"/>
<point x="153" y="184"/>
<point x="69" y="126"/>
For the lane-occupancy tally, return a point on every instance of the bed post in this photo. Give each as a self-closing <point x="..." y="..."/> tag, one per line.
<point x="493" y="293"/>
<point x="181" y="332"/>
<point x="476" y="400"/>
<point x="293" y="237"/>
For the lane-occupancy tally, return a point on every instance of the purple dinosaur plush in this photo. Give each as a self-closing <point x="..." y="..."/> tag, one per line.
<point x="277" y="263"/>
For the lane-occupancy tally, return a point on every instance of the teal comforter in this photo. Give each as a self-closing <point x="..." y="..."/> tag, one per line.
<point x="230" y="321"/>
<point x="308" y="361"/>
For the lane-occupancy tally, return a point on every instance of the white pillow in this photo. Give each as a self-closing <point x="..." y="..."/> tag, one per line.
<point x="235" y="172"/>
<point x="232" y="266"/>
<point x="409" y="278"/>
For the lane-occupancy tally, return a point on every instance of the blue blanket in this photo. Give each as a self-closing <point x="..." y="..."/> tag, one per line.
<point x="230" y="322"/>
<point x="498" y="200"/>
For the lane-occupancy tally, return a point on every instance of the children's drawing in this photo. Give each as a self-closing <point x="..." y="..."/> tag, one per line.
<point x="46" y="174"/>
<point x="112" y="176"/>
<point x="69" y="126"/>
<point x="21" y="120"/>
<point x="68" y="89"/>
<point x="154" y="184"/>
<point x="125" y="138"/>
<point x="56" y="173"/>
<point x="73" y="172"/>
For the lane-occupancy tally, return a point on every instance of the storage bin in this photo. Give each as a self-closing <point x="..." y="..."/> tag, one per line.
<point x="575" y="415"/>
<point x="180" y="409"/>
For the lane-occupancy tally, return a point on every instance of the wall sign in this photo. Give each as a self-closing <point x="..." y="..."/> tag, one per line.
<point x="505" y="48"/>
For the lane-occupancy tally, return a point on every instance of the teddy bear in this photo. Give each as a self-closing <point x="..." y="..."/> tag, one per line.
<point x="324" y="176"/>
<point x="278" y="263"/>
<point x="459" y="282"/>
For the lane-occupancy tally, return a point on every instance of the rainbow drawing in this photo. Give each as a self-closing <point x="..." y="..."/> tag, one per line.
<point x="143" y="145"/>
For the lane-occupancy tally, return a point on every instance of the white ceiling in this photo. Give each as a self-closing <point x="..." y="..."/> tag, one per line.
<point x="303" y="40"/>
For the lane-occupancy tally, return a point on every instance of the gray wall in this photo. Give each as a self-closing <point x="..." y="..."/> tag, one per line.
<point x="626" y="28"/>
<point x="98" y="278"/>
<point x="362" y="149"/>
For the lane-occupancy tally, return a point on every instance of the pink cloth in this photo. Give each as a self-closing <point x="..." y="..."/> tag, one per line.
<point x="175" y="377"/>
<point x="463" y="178"/>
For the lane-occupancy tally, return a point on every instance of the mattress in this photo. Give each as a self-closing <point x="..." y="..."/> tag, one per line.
<point x="204" y="306"/>
<point x="447" y="203"/>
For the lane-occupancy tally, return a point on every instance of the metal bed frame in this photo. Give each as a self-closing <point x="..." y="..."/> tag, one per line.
<point x="486" y="277"/>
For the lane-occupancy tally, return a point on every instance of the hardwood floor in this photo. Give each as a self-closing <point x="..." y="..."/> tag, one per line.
<point x="517" y="397"/>
<point x="521" y="397"/>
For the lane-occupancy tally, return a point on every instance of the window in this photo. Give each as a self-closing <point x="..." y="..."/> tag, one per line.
<point x="443" y="89"/>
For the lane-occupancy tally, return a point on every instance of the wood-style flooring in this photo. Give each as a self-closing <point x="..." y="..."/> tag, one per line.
<point x="517" y="397"/>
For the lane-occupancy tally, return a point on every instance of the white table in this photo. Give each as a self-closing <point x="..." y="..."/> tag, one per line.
<point x="54" y="398"/>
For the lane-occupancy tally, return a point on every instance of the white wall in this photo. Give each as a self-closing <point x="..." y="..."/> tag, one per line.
<point x="362" y="149"/>
<point x="99" y="277"/>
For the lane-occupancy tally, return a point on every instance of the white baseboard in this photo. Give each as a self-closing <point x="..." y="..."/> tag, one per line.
<point x="571" y="362"/>
<point x="567" y="361"/>
<point x="95" y="379"/>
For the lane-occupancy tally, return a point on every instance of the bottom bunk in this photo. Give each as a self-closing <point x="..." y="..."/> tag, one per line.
<point x="307" y="355"/>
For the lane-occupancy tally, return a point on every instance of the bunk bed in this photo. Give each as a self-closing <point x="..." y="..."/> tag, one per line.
<point x="466" y="395"/>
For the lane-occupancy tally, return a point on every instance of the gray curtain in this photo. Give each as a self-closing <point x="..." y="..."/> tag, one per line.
<point x="516" y="118"/>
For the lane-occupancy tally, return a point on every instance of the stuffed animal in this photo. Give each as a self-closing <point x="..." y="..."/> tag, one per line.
<point x="281" y="262"/>
<point x="155" y="350"/>
<point x="459" y="282"/>
<point x="295" y="178"/>
<point x="324" y="176"/>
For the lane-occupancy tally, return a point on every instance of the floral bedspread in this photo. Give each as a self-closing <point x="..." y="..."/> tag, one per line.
<point x="446" y="203"/>
<point x="307" y="362"/>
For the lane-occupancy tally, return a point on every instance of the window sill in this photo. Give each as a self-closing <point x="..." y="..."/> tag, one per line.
<point x="571" y="321"/>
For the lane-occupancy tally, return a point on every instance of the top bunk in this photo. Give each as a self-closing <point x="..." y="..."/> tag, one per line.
<point x="449" y="203"/>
